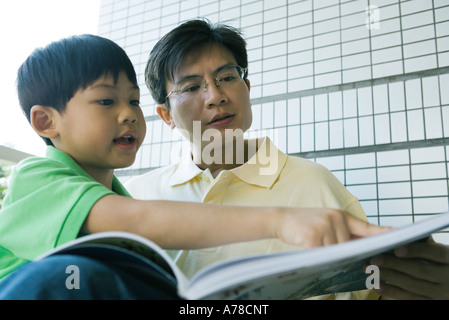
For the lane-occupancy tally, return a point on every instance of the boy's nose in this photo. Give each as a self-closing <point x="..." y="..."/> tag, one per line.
<point x="128" y="115"/>
<point x="132" y="120"/>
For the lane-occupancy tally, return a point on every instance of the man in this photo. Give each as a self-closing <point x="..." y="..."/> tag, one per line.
<point x="197" y="74"/>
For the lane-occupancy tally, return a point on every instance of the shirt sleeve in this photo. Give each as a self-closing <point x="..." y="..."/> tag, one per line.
<point x="46" y="205"/>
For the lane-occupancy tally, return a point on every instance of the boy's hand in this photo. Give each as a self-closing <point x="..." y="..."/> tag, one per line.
<point x="311" y="227"/>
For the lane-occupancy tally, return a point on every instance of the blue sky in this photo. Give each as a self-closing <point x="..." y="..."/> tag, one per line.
<point x="25" y="25"/>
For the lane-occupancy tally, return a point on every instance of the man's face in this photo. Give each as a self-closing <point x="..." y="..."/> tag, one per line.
<point x="212" y="107"/>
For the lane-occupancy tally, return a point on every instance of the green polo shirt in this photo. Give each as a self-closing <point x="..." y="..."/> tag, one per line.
<point x="47" y="202"/>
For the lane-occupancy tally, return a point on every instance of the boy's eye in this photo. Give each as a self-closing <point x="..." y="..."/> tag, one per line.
<point x="135" y="103"/>
<point x="106" y="102"/>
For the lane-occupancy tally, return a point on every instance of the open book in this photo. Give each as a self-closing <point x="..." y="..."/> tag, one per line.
<point x="294" y="274"/>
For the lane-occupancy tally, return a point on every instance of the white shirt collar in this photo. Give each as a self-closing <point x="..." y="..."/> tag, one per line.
<point x="262" y="169"/>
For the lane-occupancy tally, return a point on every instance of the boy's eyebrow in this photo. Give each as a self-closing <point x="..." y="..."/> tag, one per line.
<point x="110" y="86"/>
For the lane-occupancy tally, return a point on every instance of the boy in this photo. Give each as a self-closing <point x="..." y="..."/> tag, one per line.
<point x="80" y="95"/>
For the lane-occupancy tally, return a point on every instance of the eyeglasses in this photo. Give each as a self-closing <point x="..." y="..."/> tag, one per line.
<point x="189" y="88"/>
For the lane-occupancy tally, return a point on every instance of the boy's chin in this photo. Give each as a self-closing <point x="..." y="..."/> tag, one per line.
<point x="125" y="162"/>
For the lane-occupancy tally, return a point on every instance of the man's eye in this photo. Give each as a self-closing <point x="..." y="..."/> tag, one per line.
<point x="190" y="88"/>
<point x="105" y="102"/>
<point x="228" y="78"/>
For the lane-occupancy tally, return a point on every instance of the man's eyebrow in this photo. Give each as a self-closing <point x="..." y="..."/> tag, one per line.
<point x="224" y="66"/>
<point x="194" y="76"/>
<point x="187" y="78"/>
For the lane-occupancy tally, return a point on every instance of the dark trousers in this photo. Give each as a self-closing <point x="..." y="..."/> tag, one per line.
<point x="74" y="277"/>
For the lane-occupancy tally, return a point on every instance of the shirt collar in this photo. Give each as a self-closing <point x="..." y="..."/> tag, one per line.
<point x="262" y="169"/>
<point x="185" y="171"/>
<point x="61" y="156"/>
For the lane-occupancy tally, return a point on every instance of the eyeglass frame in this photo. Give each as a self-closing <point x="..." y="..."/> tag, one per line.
<point x="244" y="72"/>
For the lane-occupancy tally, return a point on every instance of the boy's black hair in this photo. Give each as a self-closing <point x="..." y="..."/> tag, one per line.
<point x="50" y="76"/>
<point x="169" y="52"/>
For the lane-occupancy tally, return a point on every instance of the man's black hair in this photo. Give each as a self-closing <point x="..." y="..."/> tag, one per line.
<point x="169" y="52"/>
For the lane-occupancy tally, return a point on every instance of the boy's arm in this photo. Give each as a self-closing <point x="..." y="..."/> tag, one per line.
<point x="188" y="225"/>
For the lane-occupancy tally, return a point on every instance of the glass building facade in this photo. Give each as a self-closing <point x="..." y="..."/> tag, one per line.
<point x="361" y="87"/>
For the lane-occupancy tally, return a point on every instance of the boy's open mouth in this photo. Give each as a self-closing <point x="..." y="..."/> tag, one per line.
<point x="125" y="140"/>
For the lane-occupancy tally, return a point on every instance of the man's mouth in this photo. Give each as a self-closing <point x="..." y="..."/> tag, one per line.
<point x="227" y="116"/>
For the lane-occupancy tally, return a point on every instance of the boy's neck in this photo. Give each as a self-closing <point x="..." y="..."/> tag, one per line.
<point x="103" y="176"/>
<point x="105" y="179"/>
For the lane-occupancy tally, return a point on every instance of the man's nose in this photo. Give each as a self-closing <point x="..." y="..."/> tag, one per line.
<point x="214" y="94"/>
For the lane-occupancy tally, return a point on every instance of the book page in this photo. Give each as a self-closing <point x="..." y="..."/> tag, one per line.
<point x="137" y="247"/>
<point x="296" y="272"/>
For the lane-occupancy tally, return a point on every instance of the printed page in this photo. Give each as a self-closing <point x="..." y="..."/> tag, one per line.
<point x="248" y="277"/>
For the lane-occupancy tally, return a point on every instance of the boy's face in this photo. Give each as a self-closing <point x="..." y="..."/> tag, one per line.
<point x="103" y="125"/>
<point x="231" y="105"/>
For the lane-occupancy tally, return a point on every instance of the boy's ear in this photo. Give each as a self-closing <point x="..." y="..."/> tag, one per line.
<point x="42" y="120"/>
<point x="165" y="115"/>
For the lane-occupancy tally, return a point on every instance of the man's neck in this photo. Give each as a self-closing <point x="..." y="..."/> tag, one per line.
<point x="226" y="156"/>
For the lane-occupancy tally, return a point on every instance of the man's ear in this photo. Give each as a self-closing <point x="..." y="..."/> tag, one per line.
<point x="42" y="120"/>
<point x="248" y="84"/>
<point x="165" y="115"/>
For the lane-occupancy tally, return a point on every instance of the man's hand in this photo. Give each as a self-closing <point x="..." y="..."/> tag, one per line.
<point x="417" y="271"/>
